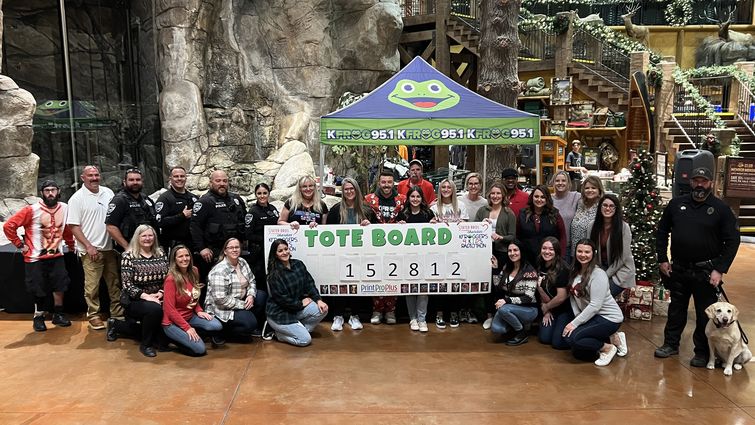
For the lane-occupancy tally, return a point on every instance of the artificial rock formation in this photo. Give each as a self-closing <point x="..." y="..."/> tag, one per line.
<point x="19" y="164"/>
<point x="242" y="80"/>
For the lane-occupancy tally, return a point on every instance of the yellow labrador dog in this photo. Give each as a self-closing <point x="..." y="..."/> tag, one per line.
<point x="724" y="338"/>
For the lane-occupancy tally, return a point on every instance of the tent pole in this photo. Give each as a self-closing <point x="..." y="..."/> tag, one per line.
<point x="322" y="168"/>
<point x="537" y="164"/>
<point x="484" y="168"/>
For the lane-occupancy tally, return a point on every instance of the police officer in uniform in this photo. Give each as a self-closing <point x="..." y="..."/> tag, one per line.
<point x="262" y="213"/>
<point x="173" y="209"/>
<point x="704" y="242"/>
<point x="128" y="209"/>
<point x="216" y="216"/>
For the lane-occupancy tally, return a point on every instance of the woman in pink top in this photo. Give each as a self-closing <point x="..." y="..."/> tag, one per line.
<point x="182" y="314"/>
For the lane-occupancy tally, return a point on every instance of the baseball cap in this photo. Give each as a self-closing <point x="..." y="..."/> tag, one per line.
<point x="416" y="161"/>
<point x="701" y="172"/>
<point x="48" y="183"/>
<point x="509" y="172"/>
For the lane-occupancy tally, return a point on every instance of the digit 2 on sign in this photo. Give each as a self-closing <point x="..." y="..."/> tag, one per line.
<point x="455" y="267"/>
<point x="392" y="267"/>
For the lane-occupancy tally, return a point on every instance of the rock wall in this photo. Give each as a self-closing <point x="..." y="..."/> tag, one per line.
<point x="19" y="164"/>
<point x="242" y="79"/>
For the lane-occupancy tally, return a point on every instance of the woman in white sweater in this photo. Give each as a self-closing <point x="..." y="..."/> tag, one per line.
<point x="596" y="314"/>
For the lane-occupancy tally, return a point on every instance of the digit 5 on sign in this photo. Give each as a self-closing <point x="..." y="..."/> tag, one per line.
<point x="372" y="268"/>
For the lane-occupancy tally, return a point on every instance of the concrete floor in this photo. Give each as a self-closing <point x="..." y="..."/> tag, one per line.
<point x="382" y="374"/>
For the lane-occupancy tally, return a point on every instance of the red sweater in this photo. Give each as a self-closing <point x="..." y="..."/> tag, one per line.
<point x="45" y="231"/>
<point x="178" y="307"/>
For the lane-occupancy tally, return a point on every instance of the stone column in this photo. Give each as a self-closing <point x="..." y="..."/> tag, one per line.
<point x="638" y="61"/>
<point x="562" y="61"/>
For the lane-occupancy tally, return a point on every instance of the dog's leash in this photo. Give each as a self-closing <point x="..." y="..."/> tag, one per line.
<point x="722" y="294"/>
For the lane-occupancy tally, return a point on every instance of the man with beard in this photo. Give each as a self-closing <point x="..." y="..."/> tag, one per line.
<point x="86" y="218"/>
<point x="128" y="209"/>
<point x="518" y="198"/>
<point x="704" y="243"/>
<point x="387" y="205"/>
<point x="173" y="210"/>
<point x="217" y="216"/>
<point x="45" y="232"/>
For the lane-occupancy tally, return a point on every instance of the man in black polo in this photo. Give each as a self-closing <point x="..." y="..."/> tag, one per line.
<point x="173" y="209"/>
<point x="128" y="209"/>
<point x="705" y="240"/>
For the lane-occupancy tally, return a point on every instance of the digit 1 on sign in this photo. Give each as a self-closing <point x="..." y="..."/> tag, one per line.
<point x="455" y="267"/>
<point x="348" y="267"/>
<point x="372" y="268"/>
<point x="434" y="266"/>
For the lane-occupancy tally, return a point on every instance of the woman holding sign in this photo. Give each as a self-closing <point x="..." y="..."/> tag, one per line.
<point x="448" y="209"/>
<point x="417" y="211"/>
<point x="294" y="308"/>
<point x="350" y="210"/>
<point x="303" y="207"/>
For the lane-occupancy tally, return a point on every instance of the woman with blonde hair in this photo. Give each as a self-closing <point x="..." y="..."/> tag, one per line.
<point x="587" y="209"/>
<point x="304" y="207"/>
<point x="564" y="200"/>
<point x="184" y="321"/>
<point x="143" y="270"/>
<point x="472" y="198"/>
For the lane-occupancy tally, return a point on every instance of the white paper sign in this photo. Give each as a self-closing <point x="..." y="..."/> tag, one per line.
<point x="392" y="259"/>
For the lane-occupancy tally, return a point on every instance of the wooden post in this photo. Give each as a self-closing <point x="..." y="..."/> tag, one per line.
<point x="562" y="61"/>
<point x="442" y="63"/>
<point x="664" y="106"/>
<point x="679" y="47"/>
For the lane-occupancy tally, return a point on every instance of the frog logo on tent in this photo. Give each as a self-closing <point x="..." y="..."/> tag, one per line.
<point x="427" y="96"/>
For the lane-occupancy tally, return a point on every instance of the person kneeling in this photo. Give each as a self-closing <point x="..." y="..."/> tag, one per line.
<point x="182" y="314"/>
<point x="515" y="290"/>
<point x="294" y="308"/>
<point x="232" y="295"/>
<point x="597" y="316"/>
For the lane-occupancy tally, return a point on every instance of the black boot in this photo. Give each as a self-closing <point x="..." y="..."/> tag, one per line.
<point x="520" y="338"/>
<point x="112" y="332"/>
<point x="60" y="319"/>
<point x="147" y="350"/>
<point x="39" y="324"/>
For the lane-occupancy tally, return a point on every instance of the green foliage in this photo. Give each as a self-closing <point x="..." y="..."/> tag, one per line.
<point x="682" y="78"/>
<point x="679" y="12"/>
<point x="643" y="206"/>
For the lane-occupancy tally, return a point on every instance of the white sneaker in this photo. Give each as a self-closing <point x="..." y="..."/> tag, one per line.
<point x="414" y="325"/>
<point x="337" y="324"/>
<point x="605" y="358"/>
<point x="621" y="349"/>
<point x="355" y="323"/>
<point x="423" y="327"/>
<point x="487" y="323"/>
<point x="390" y="317"/>
<point x="376" y="317"/>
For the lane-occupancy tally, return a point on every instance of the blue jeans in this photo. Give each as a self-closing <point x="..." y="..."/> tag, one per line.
<point x="615" y="289"/>
<point x="244" y="322"/>
<point x="298" y="333"/>
<point x="417" y="307"/>
<point x="179" y="336"/>
<point x="553" y="334"/>
<point x="512" y="316"/>
<point x="589" y="337"/>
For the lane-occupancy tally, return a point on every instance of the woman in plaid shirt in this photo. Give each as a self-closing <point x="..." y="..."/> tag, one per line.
<point x="232" y="295"/>
<point x="295" y="307"/>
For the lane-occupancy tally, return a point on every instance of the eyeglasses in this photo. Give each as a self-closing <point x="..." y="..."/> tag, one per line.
<point x="134" y="170"/>
<point x="233" y="248"/>
<point x="609" y="206"/>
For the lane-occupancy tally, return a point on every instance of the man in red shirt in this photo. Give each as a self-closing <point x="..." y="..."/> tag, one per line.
<point x="45" y="233"/>
<point x="517" y="197"/>
<point x="415" y="179"/>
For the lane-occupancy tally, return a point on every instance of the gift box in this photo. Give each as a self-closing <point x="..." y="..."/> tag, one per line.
<point x="660" y="293"/>
<point x="660" y="308"/>
<point x="640" y="295"/>
<point x="641" y="312"/>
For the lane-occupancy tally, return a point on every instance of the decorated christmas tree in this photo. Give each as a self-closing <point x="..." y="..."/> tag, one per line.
<point x="643" y="206"/>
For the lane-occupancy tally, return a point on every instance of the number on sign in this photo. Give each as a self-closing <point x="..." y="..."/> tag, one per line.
<point x="413" y="266"/>
<point x="434" y="266"/>
<point x="392" y="265"/>
<point x="455" y="268"/>
<point x="372" y="268"/>
<point x="349" y="268"/>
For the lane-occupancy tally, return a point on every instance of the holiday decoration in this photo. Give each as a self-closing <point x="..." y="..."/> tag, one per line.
<point x="642" y="210"/>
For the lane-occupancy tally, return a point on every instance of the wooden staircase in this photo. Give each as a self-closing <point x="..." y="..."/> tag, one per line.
<point x="605" y="88"/>
<point x="464" y="34"/>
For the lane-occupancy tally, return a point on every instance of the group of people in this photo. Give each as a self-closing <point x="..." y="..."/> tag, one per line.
<point x="186" y="269"/>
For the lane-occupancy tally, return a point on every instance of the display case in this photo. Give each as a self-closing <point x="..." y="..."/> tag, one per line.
<point x="552" y="156"/>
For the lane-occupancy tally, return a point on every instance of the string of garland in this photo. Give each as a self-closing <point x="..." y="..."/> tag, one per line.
<point x="678" y="13"/>
<point x="691" y="92"/>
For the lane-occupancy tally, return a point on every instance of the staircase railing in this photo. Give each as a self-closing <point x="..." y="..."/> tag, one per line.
<point x="691" y="115"/>
<point x="605" y="59"/>
<point x="680" y="126"/>
<point x="536" y="43"/>
<point x="746" y="107"/>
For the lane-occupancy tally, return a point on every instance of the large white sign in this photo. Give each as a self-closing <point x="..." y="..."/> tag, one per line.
<point x="392" y="259"/>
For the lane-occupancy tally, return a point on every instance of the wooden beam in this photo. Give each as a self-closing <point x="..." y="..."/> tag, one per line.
<point x="413" y="37"/>
<point x="442" y="50"/>
<point x="462" y="57"/>
<point x="404" y="55"/>
<point x="467" y="74"/>
<point x="410" y="21"/>
<point x="429" y="50"/>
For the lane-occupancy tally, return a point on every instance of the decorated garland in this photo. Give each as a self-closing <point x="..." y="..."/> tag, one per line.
<point x="679" y="13"/>
<point x="682" y="78"/>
